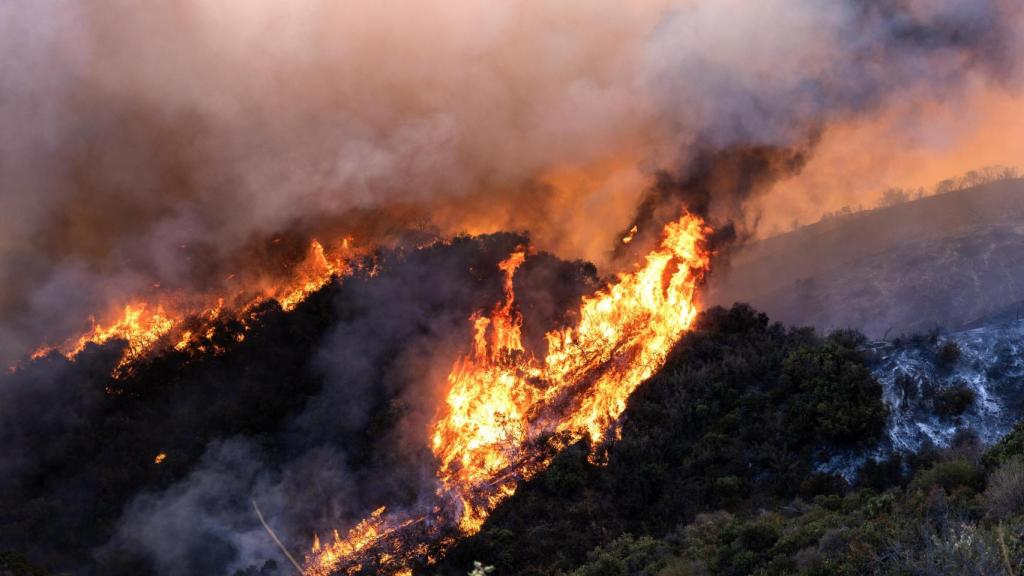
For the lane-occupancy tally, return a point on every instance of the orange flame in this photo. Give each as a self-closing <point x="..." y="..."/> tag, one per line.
<point x="506" y="413"/>
<point x="629" y="235"/>
<point x="191" y="322"/>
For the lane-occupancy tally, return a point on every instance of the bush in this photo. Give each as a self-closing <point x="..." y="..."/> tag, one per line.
<point x="959" y="548"/>
<point x="834" y="397"/>
<point x="627" y="556"/>
<point x="819" y="483"/>
<point x="881" y="474"/>
<point x="1005" y="493"/>
<point x="758" y="536"/>
<point x="953" y="401"/>
<point x="1011" y="446"/>
<point x="948" y="355"/>
<point x="950" y="476"/>
<point x="729" y="490"/>
<point x="567" y="474"/>
<point x="734" y="422"/>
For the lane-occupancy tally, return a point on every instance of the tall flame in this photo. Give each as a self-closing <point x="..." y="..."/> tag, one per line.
<point x="506" y="413"/>
<point x="187" y="322"/>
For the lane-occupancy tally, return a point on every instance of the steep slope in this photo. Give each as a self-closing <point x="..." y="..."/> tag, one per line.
<point x="717" y="471"/>
<point x="941" y="261"/>
<point x="314" y="414"/>
<point x="739" y="417"/>
<point x="937" y="387"/>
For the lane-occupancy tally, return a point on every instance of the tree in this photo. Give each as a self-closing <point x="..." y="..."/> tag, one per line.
<point x="894" y="196"/>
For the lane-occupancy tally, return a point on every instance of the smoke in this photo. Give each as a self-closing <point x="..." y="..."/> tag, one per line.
<point x="132" y="132"/>
<point x="198" y="526"/>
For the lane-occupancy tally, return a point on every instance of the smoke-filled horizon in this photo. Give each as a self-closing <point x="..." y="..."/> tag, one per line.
<point x="149" y="145"/>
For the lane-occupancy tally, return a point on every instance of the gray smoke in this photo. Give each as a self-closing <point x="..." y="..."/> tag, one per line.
<point x="149" y="144"/>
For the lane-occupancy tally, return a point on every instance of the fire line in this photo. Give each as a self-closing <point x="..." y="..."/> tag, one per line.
<point x="507" y="413"/>
<point x="189" y="323"/>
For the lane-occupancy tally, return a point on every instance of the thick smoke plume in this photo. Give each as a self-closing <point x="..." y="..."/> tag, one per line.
<point x="149" y="145"/>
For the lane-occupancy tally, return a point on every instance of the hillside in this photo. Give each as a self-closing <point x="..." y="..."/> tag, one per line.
<point x="311" y="415"/>
<point x="757" y="448"/>
<point x="719" y="472"/>
<point x="942" y="261"/>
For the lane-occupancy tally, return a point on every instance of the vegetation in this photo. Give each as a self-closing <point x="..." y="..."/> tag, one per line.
<point x="718" y="473"/>
<point x="740" y="418"/>
<point x="726" y="466"/>
<point x="898" y="195"/>
<point x="947" y="355"/>
<point x="954" y="400"/>
<point x="945" y="521"/>
<point x="79" y="447"/>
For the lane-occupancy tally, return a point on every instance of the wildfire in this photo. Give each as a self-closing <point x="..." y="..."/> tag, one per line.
<point x="186" y="322"/>
<point x="507" y="413"/>
<point x="629" y="235"/>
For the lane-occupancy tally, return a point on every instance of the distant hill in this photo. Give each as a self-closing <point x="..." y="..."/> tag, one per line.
<point x="943" y="261"/>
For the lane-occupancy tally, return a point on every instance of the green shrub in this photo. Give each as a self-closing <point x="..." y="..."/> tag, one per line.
<point x="627" y="556"/>
<point x="1004" y="495"/>
<point x="729" y="490"/>
<point x="950" y="476"/>
<point x="758" y="536"/>
<point x="1011" y="446"/>
<point x="567" y="474"/>
<point x="833" y="396"/>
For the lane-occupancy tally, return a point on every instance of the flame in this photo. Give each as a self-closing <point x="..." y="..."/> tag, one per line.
<point x="629" y="235"/>
<point x="191" y="322"/>
<point x="159" y="459"/>
<point x="507" y="413"/>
